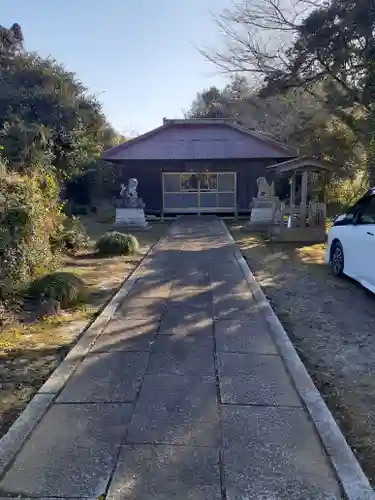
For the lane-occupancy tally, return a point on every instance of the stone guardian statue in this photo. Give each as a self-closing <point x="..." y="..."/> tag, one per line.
<point x="129" y="195"/>
<point x="130" y="211"/>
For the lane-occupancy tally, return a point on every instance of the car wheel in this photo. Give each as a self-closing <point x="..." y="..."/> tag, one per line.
<point x="337" y="259"/>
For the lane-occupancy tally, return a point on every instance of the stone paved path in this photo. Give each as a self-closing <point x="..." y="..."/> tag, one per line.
<point x="182" y="397"/>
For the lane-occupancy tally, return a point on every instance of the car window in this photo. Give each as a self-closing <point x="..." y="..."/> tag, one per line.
<point x="358" y="206"/>
<point x="349" y="217"/>
<point x="367" y="216"/>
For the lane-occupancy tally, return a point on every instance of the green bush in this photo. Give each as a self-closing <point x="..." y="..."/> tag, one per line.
<point x="115" y="243"/>
<point x="29" y="215"/>
<point x="75" y="240"/>
<point x="66" y="288"/>
<point x="70" y="236"/>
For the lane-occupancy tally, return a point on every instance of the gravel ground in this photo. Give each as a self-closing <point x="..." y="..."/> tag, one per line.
<point x="331" y="322"/>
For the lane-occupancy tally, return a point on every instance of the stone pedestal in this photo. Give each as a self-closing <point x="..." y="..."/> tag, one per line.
<point x="265" y="210"/>
<point x="131" y="217"/>
<point x="262" y="215"/>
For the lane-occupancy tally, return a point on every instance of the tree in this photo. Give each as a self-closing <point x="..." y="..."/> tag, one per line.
<point x="335" y="49"/>
<point x="295" y="117"/>
<point x="45" y="110"/>
<point x="208" y="104"/>
<point x="51" y="129"/>
<point x="47" y="116"/>
<point x="257" y="35"/>
<point x="323" y="48"/>
<point x="11" y="40"/>
<point x="220" y="103"/>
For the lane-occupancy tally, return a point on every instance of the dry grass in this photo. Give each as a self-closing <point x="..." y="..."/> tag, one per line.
<point x="331" y="322"/>
<point x="30" y="350"/>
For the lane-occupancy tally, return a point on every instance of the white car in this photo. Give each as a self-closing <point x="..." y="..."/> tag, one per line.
<point x="351" y="242"/>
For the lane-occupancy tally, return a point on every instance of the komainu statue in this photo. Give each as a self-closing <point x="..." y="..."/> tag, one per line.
<point x="129" y="195"/>
<point x="265" y="189"/>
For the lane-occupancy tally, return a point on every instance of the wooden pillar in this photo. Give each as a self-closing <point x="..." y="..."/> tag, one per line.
<point x="292" y="200"/>
<point x="303" y="208"/>
<point x="235" y="194"/>
<point x="293" y="191"/>
<point x="162" y="196"/>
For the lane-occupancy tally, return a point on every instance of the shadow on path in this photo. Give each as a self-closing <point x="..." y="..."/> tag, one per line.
<point x="182" y="396"/>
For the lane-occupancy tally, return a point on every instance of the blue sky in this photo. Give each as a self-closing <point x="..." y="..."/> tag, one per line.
<point x="140" y="55"/>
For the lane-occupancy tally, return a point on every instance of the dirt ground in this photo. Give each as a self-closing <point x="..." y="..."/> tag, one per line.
<point x="331" y="322"/>
<point x="30" y="350"/>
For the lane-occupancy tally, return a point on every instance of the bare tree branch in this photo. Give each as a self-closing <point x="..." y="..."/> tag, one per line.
<point x="257" y="34"/>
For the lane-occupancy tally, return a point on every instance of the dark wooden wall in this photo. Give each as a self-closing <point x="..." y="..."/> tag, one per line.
<point x="149" y="173"/>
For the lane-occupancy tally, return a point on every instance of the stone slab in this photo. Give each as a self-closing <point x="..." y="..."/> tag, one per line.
<point x="189" y="299"/>
<point x="189" y="309"/>
<point x="179" y="394"/>
<point x="127" y="335"/>
<point x="176" y="410"/>
<point x="158" y="426"/>
<point x="151" y="288"/>
<point x="191" y="279"/>
<point x="234" y="306"/>
<point x="191" y="324"/>
<point x="151" y="308"/>
<point x="166" y="472"/>
<point x="181" y="292"/>
<point x="274" y="453"/>
<point x="224" y="253"/>
<point x="181" y="317"/>
<point x="249" y="336"/>
<point x="221" y="272"/>
<point x="193" y="354"/>
<point x="229" y="286"/>
<point x="13" y="440"/>
<point x="255" y="379"/>
<point x="107" y="377"/>
<point x="70" y="454"/>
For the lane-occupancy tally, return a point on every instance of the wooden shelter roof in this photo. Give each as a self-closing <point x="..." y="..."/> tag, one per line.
<point x="300" y="164"/>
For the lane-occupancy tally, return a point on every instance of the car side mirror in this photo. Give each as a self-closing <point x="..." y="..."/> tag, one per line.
<point x="339" y="218"/>
<point x="344" y="220"/>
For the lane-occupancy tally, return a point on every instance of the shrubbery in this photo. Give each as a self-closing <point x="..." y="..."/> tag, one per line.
<point x="70" y="236"/>
<point x="66" y="288"/>
<point x="342" y="194"/>
<point x="51" y="129"/>
<point x="29" y="215"/>
<point x="115" y="243"/>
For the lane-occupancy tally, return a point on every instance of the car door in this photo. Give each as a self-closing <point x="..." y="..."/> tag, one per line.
<point x="346" y="231"/>
<point x="364" y="233"/>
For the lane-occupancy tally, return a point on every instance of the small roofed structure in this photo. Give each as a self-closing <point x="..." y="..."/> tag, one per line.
<point x="305" y="221"/>
<point x="300" y="164"/>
